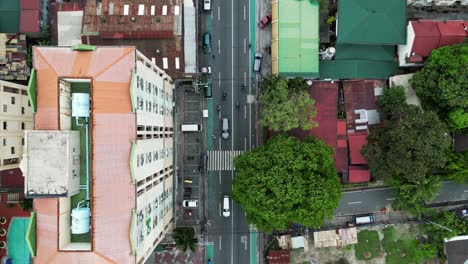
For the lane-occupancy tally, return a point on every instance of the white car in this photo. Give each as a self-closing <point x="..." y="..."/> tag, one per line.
<point x="190" y="203"/>
<point x="205" y="70"/>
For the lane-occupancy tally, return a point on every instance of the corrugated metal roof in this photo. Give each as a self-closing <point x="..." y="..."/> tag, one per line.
<point x="112" y="136"/>
<point x="359" y="94"/>
<point x="372" y="22"/>
<point x="356" y="142"/>
<point x="452" y="32"/>
<point x="356" y="69"/>
<point x="9" y="16"/>
<point x="359" y="174"/>
<point x="29" y="21"/>
<point x="426" y="37"/>
<point x="365" y="52"/>
<point x="29" y="4"/>
<point x="113" y="130"/>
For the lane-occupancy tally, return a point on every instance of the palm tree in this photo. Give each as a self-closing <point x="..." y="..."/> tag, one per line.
<point x="413" y="195"/>
<point x="184" y="238"/>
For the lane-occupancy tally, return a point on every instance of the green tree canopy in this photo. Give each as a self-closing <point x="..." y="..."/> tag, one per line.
<point x="184" y="238"/>
<point x="436" y="234"/>
<point x="442" y="85"/>
<point x="456" y="168"/>
<point x="287" y="181"/>
<point x="286" y="104"/>
<point x="408" y="147"/>
<point x="392" y="99"/>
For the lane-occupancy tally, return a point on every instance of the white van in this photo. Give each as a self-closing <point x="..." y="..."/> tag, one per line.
<point x="207" y="5"/>
<point x="257" y="61"/>
<point x="225" y="133"/>
<point x="226" y="209"/>
<point x="191" y="127"/>
<point x="364" y="220"/>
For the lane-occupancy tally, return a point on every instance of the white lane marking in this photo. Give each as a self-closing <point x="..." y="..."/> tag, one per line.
<point x="219" y="177"/>
<point x="437" y="194"/>
<point x="219" y="209"/>
<point x="245" y="143"/>
<point x="244" y="13"/>
<point x="465" y="191"/>
<point x="355" y="202"/>
<point x="245" y="111"/>
<point x="219" y="46"/>
<point x="211" y="15"/>
<point x="390" y="199"/>
<point x="245" y="46"/>
<point x="245" y="78"/>
<point x="219" y="140"/>
<point x="220" y="243"/>
<point x="219" y="11"/>
<point x="219" y="79"/>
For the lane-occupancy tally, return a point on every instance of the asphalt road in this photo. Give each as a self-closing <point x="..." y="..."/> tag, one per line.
<point x="367" y="201"/>
<point x="228" y="24"/>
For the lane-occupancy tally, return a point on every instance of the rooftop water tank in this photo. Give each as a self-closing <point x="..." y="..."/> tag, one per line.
<point x="80" y="105"/>
<point x="80" y="220"/>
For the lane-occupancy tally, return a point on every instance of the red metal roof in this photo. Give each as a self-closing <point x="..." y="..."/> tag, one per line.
<point x="12" y="178"/>
<point x="113" y="130"/>
<point x="278" y="257"/>
<point x="356" y="142"/>
<point x="29" y="21"/>
<point x="452" y="32"/>
<point x="426" y="37"/>
<point x="359" y="174"/>
<point x="29" y="4"/>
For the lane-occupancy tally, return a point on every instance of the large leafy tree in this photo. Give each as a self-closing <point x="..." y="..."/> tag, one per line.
<point x="407" y="147"/>
<point x="286" y="104"/>
<point x="436" y="234"/>
<point x="184" y="238"/>
<point x="287" y="181"/>
<point x="442" y="83"/>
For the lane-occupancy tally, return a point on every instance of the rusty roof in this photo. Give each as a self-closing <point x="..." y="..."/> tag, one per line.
<point x="156" y="36"/>
<point x="359" y="94"/>
<point x="113" y="130"/>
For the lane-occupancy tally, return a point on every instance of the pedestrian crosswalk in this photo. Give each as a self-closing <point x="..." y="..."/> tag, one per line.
<point x="222" y="160"/>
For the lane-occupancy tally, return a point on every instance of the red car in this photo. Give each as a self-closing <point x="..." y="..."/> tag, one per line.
<point x="265" y="21"/>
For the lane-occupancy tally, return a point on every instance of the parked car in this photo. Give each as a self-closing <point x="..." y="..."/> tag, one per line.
<point x="205" y="70"/>
<point x="257" y="61"/>
<point x="207" y="43"/>
<point x="265" y="21"/>
<point x="190" y="203"/>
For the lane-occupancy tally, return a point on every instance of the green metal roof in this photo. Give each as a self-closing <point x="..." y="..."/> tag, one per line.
<point x="365" y="52"/>
<point x="356" y="69"/>
<point x="10" y="16"/>
<point x="372" y="22"/>
<point x="298" y="38"/>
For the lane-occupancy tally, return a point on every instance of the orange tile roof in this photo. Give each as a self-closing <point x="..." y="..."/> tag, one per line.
<point x="113" y="194"/>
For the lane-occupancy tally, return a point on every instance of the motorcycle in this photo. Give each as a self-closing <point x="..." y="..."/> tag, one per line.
<point x="237" y="105"/>
<point x="218" y="108"/>
<point x="224" y="95"/>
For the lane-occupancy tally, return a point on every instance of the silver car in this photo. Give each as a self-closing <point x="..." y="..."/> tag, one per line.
<point x="225" y="134"/>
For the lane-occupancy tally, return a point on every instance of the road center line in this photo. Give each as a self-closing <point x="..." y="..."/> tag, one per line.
<point x="355" y="202"/>
<point x="245" y="111"/>
<point x="245" y="46"/>
<point x="219" y="79"/>
<point x="219" y="13"/>
<point x="245" y="143"/>
<point x="219" y="46"/>
<point x="390" y="199"/>
<point x="219" y="206"/>
<point x="219" y="243"/>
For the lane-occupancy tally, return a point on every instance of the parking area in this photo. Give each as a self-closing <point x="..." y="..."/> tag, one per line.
<point x="189" y="156"/>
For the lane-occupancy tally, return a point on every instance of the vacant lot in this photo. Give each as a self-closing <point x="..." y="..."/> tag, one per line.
<point x="378" y="245"/>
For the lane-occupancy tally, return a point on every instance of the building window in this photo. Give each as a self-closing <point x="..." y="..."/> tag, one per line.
<point x="13" y="99"/>
<point x="22" y="141"/>
<point x="22" y="110"/>
<point x="22" y="125"/>
<point x="4" y="125"/>
<point x="12" y="150"/>
<point x="29" y="103"/>
<point x="5" y="108"/>
<point x="4" y="142"/>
